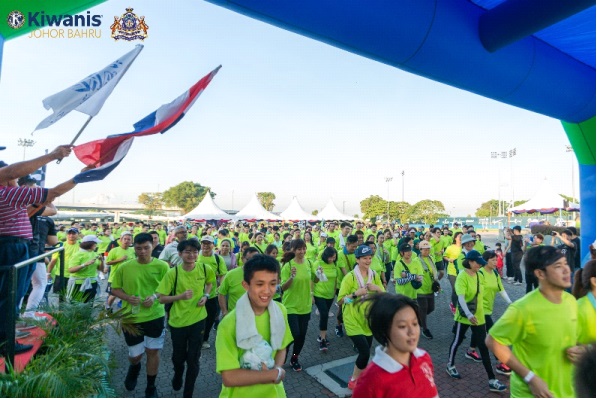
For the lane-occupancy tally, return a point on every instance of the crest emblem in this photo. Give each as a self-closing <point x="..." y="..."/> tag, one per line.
<point x="129" y="27"/>
<point x="15" y="19"/>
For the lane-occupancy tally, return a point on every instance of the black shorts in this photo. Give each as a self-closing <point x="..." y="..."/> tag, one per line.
<point x="152" y="329"/>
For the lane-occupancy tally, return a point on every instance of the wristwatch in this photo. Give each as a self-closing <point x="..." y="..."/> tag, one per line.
<point x="354" y="295"/>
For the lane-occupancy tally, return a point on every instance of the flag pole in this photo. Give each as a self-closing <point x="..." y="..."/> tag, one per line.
<point x="78" y="134"/>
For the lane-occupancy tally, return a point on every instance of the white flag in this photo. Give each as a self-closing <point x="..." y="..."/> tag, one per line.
<point x="88" y="96"/>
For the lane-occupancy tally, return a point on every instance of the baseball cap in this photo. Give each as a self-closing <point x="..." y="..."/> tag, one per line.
<point x="323" y="235"/>
<point x="91" y="238"/>
<point x="363" y="250"/>
<point x="125" y="233"/>
<point x="476" y="257"/>
<point x="424" y="245"/>
<point x="405" y="248"/>
<point x="72" y="230"/>
<point x="208" y="239"/>
<point x="179" y="228"/>
<point x="466" y="238"/>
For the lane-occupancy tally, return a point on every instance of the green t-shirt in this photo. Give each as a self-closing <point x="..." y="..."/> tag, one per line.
<point x="90" y="271"/>
<point x="228" y="355"/>
<point x="105" y="241"/>
<point x="217" y="265"/>
<point x="467" y="285"/>
<point x="429" y="274"/>
<point x="297" y="298"/>
<point x="162" y="236"/>
<point x="232" y="285"/>
<point x="539" y="332"/>
<point x="354" y="313"/>
<point x="377" y="265"/>
<point x="69" y="251"/>
<point x="261" y="248"/>
<point x="414" y="267"/>
<point x="117" y="253"/>
<point x="493" y="285"/>
<point x="586" y="319"/>
<point x="453" y="252"/>
<point x="437" y="249"/>
<point x="479" y="246"/>
<point x="61" y="235"/>
<point x="185" y="312"/>
<point x="143" y="280"/>
<point x="312" y="251"/>
<point x="325" y="289"/>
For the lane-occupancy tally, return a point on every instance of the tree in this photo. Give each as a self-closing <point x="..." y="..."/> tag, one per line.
<point x="374" y="206"/>
<point x="428" y="211"/>
<point x="315" y="212"/>
<point x="186" y="195"/>
<point x="487" y="209"/>
<point x="152" y="202"/>
<point x="267" y="200"/>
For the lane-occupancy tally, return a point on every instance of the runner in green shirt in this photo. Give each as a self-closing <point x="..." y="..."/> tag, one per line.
<point x="135" y="283"/>
<point x="324" y="291"/>
<point x="541" y="328"/>
<point x="83" y="266"/>
<point x="116" y="257"/>
<point x="187" y="288"/>
<point x="231" y="287"/>
<point x="242" y="378"/>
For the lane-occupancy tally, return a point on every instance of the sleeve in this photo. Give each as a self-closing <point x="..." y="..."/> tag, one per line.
<point x="117" y="280"/>
<point x="210" y="277"/>
<point x="227" y="353"/>
<point x="346" y="287"/>
<point x="223" y="288"/>
<point x="378" y="282"/>
<point x="23" y="196"/>
<point x="509" y="329"/>
<point x="111" y="255"/>
<point x="167" y="283"/>
<point x="222" y="269"/>
<point x="74" y="260"/>
<point x="285" y="273"/>
<point x="51" y="227"/>
<point x="165" y="255"/>
<point x="287" y="340"/>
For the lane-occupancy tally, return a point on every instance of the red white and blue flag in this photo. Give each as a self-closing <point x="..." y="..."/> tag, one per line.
<point x="106" y="154"/>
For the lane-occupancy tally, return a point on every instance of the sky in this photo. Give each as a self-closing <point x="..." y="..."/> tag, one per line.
<point x="285" y="114"/>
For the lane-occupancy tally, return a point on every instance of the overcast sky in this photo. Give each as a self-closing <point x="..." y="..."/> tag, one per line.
<point x="285" y="114"/>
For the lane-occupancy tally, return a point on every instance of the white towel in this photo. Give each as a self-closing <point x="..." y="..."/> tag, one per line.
<point x="247" y="336"/>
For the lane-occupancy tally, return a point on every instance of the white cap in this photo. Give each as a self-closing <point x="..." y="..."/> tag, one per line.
<point x="91" y="238"/>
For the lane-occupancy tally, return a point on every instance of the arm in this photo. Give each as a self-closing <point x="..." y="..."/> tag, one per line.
<point x="537" y="386"/>
<point x="223" y="304"/>
<point x="119" y="293"/>
<point x="244" y="377"/>
<point x="60" y="189"/>
<point x="504" y="295"/>
<point x="463" y="305"/>
<point x="24" y="168"/>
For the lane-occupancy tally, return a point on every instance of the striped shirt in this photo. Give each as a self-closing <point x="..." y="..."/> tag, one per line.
<point x="14" y="221"/>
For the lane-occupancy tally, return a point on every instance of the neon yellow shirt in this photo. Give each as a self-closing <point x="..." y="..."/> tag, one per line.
<point x="493" y="285"/>
<point x="325" y="289"/>
<point x="185" y="312"/>
<point x="69" y="250"/>
<point x="415" y="267"/>
<point x="117" y="253"/>
<point x="453" y="252"/>
<point x="354" y="313"/>
<point x="297" y="297"/>
<point x="539" y="332"/>
<point x="232" y="285"/>
<point x="228" y="355"/>
<point x="467" y="285"/>
<point x="80" y="257"/>
<point x="219" y="268"/>
<point x="586" y="319"/>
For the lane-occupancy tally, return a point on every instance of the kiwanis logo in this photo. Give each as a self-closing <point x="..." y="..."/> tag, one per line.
<point x="129" y="27"/>
<point x="15" y="19"/>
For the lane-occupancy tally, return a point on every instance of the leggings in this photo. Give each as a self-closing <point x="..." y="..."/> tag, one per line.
<point x="39" y="281"/>
<point x="516" y="259"/>
<point x="478" y="341"/>
<point x="426" y="306"/>
<point x="388" y="272"/>
<point x="509" y="266"/>
<point x="531" y="281"/>
<point x="324" y="306"/>
<point x="363" y="345"/>
<point x="454" y="298"/>
<point x="186" y="347"/>
<point x="298" y="327"/>
<point x="213" y="309"/>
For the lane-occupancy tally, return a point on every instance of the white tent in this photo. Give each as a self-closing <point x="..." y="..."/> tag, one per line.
<point x="255" y="211"/>
<point x="295" y="212"/>
<point x="545" y="200"/>
<point x="330" y="212"/>
<point x="207" y="210"/>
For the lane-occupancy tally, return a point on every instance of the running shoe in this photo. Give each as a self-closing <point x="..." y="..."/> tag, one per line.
<point x="205" y="345"/>
<point x="151" y="392"/>
<point x="177" y="381"/>
<point x="319" y="339"/>
<point x="294" y="363"/>
<point x="427" y="334"/>
<point x="517" y="283"/>
<point x="130" y="381"/>
<point x="323" y="347"/>
<point x="339" y="331"/>
<point x="473" y="355"/>
<point x="352" y="384"/>
<point x="502" y="369"/>
<point x="330" y="314"/>
<point x="452" y="372"/>
<point x="497" y="386"/>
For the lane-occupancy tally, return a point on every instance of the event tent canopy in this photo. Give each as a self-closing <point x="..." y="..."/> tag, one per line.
<point x="295" y="212"/>
<point x="330" y="212"/>
<point x="207" y="210"/>
<point x="255" y="211"/>
<point x="545" y="201"/>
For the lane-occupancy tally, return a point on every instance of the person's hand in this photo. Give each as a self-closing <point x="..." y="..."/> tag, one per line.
<point x="89" y="167"/>
<point x="403" y="274"/>
<point x="133" y="300"/>
<point x="202" y="301"/>
<point x="574" y="353"/>
<point x="419" y="277"/>
<point x="62" y="151"/>
<point x="293" y="271"/>
<point x="539" y="388"/>
<point x="188" y="294"/>
<point x="148" y="302"/>
<point x="361" y="291"/>
<point x="473" y="320"/>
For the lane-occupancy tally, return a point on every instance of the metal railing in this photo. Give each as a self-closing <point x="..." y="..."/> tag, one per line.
<point x="10" y="292"/>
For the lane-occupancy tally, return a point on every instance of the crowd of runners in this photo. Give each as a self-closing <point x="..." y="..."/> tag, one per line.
<point x="255" y="284"/>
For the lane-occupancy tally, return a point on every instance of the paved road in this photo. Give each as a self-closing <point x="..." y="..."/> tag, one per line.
<point x="473" y="383"/>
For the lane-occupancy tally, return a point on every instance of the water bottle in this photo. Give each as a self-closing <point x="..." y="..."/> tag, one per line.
<point x="136" y="308"/>
<point x="348" y="300"/>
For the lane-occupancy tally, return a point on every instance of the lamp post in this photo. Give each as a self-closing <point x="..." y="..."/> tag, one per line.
<point x="512" y="154"/>
<point x="388" y="180"/>
<point x="402" y="186"/>
<point x="25" y="143"/>
<point x="571" y="151"/>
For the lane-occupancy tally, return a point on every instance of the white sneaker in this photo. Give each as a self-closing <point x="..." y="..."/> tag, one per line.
<point x="330" y="314"/>
<point x="317" y="312"/>
<point x="205" y="345"/>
